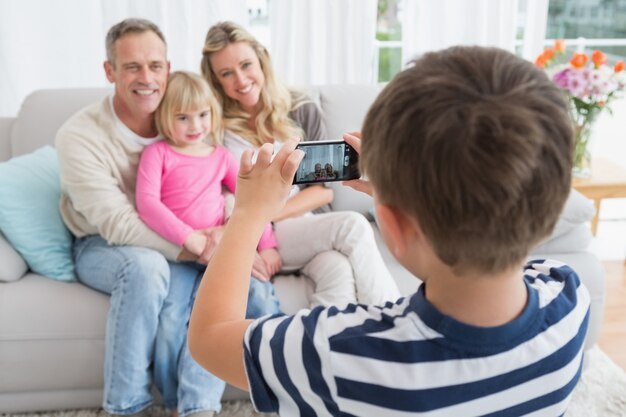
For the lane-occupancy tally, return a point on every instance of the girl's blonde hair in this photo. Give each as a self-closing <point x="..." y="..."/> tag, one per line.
<point x="187" y="92"/>
<point x="273" y="120"/>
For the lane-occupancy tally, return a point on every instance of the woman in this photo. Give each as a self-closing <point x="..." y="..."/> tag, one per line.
<point x="336" y="250"/>
<point x="330" y="172"/>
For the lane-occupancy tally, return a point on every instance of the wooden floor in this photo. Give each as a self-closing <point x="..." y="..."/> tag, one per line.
<point x="613" y="334"/>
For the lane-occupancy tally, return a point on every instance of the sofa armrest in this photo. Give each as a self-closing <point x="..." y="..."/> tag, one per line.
<point x="6" y="124"/>
<point x="591" y="273"/>
<point x="12" y="265"/>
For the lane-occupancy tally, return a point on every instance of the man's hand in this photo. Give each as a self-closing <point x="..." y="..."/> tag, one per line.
<point x="263" y="187"/>
<point x="229" y="204"/>
<point x="272" y="259"/>
<point x="213" y="236"/>
<point x="259" y="268"/>
<point x="195" y="242"/>
<point x="354" y="139"/>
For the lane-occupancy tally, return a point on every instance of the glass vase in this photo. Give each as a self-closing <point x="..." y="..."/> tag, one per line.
<point x="582" y="154"/>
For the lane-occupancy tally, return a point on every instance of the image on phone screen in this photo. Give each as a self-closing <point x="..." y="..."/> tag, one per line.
<point x="327" y="161"/>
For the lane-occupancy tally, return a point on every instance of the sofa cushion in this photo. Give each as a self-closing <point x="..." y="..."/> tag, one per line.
<point x="12" y="266"/>
<point x="575" y="239"/>
<point x="29" y="213"/>
<point x="51" y="337"/>
<point x="44" y="111"/>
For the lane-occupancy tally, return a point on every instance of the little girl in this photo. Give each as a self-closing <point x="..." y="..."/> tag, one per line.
<point x="180" y="179"/>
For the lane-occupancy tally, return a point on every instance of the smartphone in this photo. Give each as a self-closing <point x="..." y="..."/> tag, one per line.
<point x="332" y="160"/>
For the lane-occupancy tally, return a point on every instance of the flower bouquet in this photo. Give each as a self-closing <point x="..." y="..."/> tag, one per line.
<point x="590" y="85"/>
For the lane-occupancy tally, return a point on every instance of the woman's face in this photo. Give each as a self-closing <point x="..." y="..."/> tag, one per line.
<point x="238" y="70"/>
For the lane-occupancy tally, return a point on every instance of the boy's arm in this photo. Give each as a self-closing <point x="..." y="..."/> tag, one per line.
<point x="260" y="268"/>
<point x="218" y="324"/>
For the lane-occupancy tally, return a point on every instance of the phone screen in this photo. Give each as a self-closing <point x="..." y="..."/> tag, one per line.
<point x="327" y="161"/>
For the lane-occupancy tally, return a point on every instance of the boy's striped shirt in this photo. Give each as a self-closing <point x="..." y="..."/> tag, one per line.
<point x="406" y="358"/>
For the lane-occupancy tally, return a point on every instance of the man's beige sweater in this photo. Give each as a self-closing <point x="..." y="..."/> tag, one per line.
<point x="98" y="169"/>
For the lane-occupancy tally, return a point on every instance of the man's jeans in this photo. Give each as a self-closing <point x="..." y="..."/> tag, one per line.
<point x="146" y="329"/>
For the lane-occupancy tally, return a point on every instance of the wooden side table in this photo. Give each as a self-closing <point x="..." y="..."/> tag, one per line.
<point x="608" y="180"/>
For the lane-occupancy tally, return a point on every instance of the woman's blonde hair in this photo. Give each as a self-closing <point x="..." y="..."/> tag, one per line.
<point x="186" y="92"/>
<point x="273" y="120"/>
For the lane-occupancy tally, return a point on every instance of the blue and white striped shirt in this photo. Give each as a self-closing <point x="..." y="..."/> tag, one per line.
<point x="407" y="358"/>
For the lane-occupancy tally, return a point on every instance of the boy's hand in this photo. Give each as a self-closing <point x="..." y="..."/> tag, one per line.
<point x="263" y="187"/>
<point x="354" y="139"/>
<point x="273" y="263"/>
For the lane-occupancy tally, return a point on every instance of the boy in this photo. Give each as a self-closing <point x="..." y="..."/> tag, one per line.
<point x="469" y="154"/>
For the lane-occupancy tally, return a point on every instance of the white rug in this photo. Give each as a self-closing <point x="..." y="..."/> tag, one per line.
<point x="601" y="392"/>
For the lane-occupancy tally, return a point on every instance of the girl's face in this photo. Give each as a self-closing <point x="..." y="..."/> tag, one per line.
<point x="238" y="70"/>
<point x="191" y="128"/>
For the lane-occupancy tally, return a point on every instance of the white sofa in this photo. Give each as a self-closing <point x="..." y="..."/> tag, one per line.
<point x="52" y="333"/>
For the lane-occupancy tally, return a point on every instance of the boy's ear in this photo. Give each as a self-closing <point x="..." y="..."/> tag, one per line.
<point x="398" y="229"/>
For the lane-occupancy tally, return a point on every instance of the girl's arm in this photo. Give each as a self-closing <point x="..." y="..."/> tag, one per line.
<point x="148" y="198"/>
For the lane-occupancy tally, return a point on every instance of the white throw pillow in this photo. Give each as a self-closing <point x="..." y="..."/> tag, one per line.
<point x="578" y="209"/>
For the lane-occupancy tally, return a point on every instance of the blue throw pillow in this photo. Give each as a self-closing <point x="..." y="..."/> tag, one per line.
<point x="29" y="213"/>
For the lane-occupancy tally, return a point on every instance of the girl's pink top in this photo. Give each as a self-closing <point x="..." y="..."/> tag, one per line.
<point x="178" y="193"/>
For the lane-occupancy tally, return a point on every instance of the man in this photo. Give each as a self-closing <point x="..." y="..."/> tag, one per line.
<point x="115" y="252"/>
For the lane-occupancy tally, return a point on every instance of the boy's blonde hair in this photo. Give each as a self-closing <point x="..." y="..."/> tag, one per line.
<point x="187" y="92"/>
<point x="273" y="121"/>
<point x="477" y="145"/>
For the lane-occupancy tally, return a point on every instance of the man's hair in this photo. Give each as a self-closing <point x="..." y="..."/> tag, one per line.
<point x="187" y="92"/>
<point x="477" y="145"/>
<point x="125" y="27"/>
<point x="273" y="120"/>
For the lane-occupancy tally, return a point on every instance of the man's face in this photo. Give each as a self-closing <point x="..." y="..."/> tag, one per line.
<point x="139" y="73"/>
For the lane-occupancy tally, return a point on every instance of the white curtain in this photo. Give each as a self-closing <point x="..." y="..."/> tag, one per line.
<point x="323" y="41"/>
<point x="56" y="44"/>
<point x="431" y="25"/>
<point x="535" y="28"/>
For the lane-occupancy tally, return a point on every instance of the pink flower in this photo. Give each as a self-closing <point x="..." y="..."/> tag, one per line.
<point x="560" y="78"/>
<point x="577" y="84"/>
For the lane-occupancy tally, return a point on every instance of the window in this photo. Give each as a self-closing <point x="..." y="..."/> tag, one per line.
<point x="585" y="24"/>
<point x="388" y="40"/>
<point x="258" y="16"/>
<point x="589" y="24"/>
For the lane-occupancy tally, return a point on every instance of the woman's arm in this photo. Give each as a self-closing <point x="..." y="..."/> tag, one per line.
<point x="306" y="200"/>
